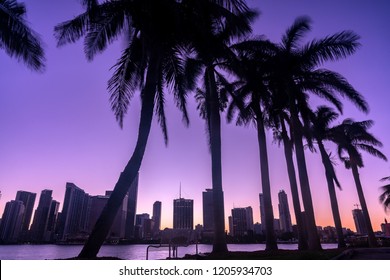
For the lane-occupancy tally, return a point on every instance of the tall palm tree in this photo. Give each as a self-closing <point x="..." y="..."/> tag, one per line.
<point x="158" y="34"/>
<point x="297" y="75"/>
<point x="150" y="62"/>
<point x="252" y="98"/>
<point x="384" y="198"/>
<point x="352" y="137"/>
<point x="17" y="38"/>
<point x="320" y="121"/>
<point x="211" y="55"/>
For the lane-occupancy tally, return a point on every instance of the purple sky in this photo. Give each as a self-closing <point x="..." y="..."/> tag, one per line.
<point x="57" y="127"/>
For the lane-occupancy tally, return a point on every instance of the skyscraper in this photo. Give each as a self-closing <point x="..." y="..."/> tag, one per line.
<point x="74" y="212"/>
<point x="208" y="210"/>
<point x="96" y="205"/>
<point x="262" y="211"/>
<point x="51" y="221"/>
<point x="140" y="220"/>
<point x="239" y="219"/>
<point x="249" y="218"/>
<point x="358" y="218"/>
<point x="11" y="221"/>
<point x="131" y="208"/>
<point x="284" y="213"/>
<point x="41" y="216"/>
<point x="28" y="200"/>
<point x="183" y="213"/>
<point x="156" y="216"/>
<point x="118" y="228"/>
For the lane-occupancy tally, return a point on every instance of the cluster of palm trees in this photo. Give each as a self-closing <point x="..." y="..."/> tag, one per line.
<point x="189" y="46"/>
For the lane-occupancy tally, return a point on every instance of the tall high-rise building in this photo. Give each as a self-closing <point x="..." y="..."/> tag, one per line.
<point x="239" y="219"/>
<point x="183" y="213"/>
<point x="49" y="235"/>
<point x="358" y="218"/>
<point x="249" y="218"/>
<point x="131" y="208"/>
<point x="156" y="216"/>
<point x="208" y="210"/>
<point x="41" y="216"/>
<point x="74" y="212"/>
<point x="262" y="211"/>
<point x="11" y="221"/>
<point x="28" y="200"/>
<point x="97" y="204"/>
<point x="284" y="212"/>
<point x="118" y="228"/>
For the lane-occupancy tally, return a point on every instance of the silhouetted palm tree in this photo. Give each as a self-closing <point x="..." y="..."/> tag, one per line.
<point x="211" y="55"/>
<point x="150" y="62"/>
<point x="296" y="75"/>
<point x="320" y="121"/>
<point x="17" y="38"/>
<point x="253" y="99"/>
<point x="384" y="198"/>
<point x="280" y="133"/>
<point x="158" y="33"/>
<point x="351" y="137"/>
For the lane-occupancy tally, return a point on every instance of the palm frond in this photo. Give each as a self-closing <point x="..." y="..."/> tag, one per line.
<point x="330" y="48"/>
<point x="335" y="81"/>
<point x="295" y="33"/>
<point x="17" y="38"/>
<point x="372" y="151"/>
<point x="104" y="28"/>
<point x="72" y="30"/>
<point x="174" y="73"/>
<point x="385" y="179"/>
<point x="192" y="70"/>
<point x="384" y="198"/>
<point x="235" y="6"/>
<point x="127" y="77"/>
<point x="160" y="108"/>
<point x="90" y="4"/>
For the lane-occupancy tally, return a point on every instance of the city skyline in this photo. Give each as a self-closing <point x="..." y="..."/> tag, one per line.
<point x="58" y="126"/>
<point x="83" y="220"/>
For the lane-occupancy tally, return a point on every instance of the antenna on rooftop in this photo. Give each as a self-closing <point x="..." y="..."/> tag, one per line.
<point x="357" y="206"/>
<point x="180" y="191"/>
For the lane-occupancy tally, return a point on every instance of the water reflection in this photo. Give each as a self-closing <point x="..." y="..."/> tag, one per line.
<point x="128" y="252"/>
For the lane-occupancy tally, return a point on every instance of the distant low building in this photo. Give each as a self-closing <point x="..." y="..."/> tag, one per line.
<point x="386" y="228"/>
<point x="257" y="228"/>
<point x="242" y="221"/>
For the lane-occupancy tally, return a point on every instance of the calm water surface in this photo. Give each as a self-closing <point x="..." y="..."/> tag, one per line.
<point x="128" y="252"/>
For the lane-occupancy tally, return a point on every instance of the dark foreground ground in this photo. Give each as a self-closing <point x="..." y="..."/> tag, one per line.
<point x="329" y="254"/>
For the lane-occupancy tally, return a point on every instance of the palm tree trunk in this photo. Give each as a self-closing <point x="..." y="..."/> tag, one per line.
<point x="371" y="236"/>
<point x="219" y="243"/>
<point x="302" y="239"/>
<point x="332" y="195"/>
<point x="106" y="219"/>
<point x="312" y="234"/>
<point x="270" y="239"/>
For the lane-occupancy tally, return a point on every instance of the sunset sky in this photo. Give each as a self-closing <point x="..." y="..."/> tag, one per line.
<point x="57" y="126"/>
